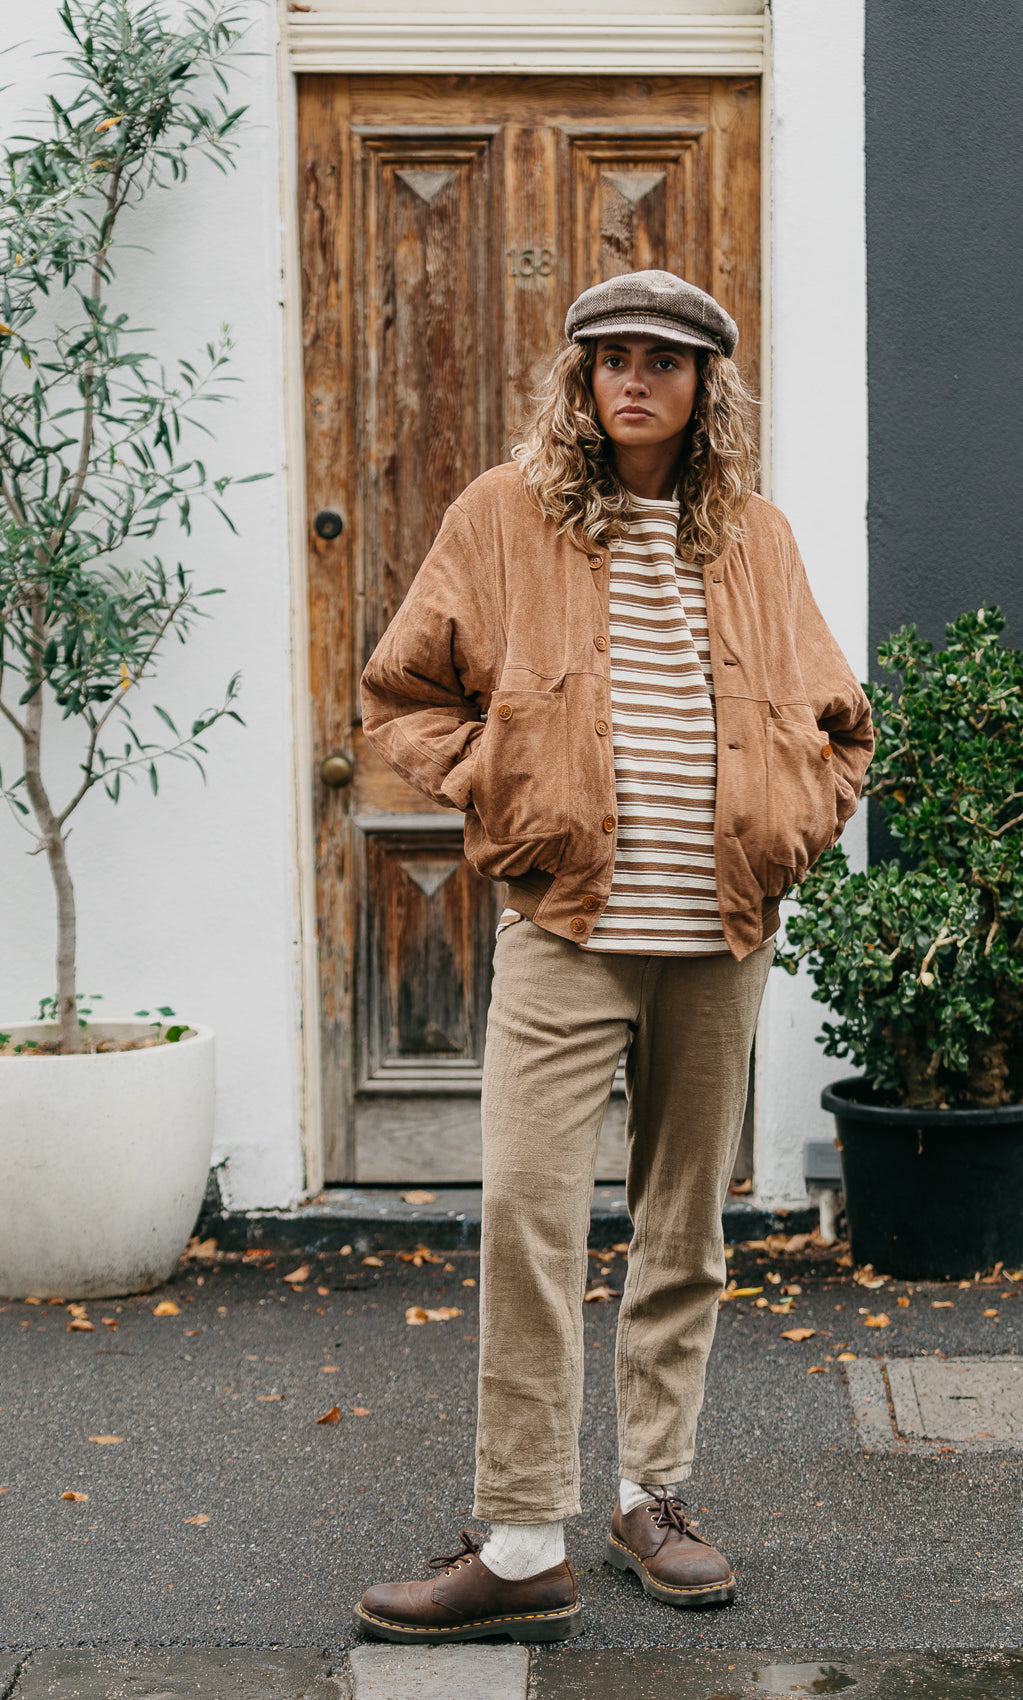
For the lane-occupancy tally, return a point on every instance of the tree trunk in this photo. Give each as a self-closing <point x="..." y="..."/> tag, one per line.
<point x="67" y="1001"/>
<point x="56" y="854"/>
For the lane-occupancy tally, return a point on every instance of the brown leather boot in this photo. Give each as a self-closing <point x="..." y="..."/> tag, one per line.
<point x="672" y="1561"/>
<point x="467" y="1602"/>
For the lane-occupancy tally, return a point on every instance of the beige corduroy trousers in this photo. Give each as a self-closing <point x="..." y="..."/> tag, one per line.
<point x="559" y="1019"/>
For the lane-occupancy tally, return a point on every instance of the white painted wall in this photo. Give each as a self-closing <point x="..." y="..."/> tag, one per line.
<point x="819" y="471"/>
<point x="190" y="899"/>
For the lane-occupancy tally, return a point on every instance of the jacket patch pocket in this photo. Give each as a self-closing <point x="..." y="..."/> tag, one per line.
<point x="520" y="776"/>
<point x="802" y="796"/>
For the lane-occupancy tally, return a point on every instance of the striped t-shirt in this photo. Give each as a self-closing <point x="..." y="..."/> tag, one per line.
<point x="663" y="898"/>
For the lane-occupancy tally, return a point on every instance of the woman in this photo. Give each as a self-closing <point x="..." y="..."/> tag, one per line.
<point x="612" y="661"/>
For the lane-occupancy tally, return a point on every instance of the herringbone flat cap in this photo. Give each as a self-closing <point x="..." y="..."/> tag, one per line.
<point x="652" y="303"/>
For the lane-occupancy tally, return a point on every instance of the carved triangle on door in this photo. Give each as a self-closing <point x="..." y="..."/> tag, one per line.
<point x="429" y="876"/>
<point x="426" y="184"/>
<point x="634" y="186"/>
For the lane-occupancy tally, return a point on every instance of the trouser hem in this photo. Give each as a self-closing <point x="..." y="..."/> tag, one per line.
<point x="654" y="1478"/>
<point x="507" y="1511"/>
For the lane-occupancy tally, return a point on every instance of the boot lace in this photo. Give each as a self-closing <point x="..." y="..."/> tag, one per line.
<point x="668" y="1512"/>
<point x="470" y="1549"/>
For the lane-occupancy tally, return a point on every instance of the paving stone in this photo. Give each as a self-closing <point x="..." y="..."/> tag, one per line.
<point x="216" y="1673"/>
<point x="484" y="1672"/>
<point x="10" y="1664"/>
<point x="746" y="1675"/>
<point x="972" y="1403"/>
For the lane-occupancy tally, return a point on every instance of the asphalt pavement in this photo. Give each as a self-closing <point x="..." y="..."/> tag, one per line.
<point x="212" y="1510"/>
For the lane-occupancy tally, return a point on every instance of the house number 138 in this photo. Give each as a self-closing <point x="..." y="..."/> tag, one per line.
<point x="531" y="262"/>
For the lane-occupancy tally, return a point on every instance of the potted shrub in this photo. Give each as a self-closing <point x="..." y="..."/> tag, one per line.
<point x="105" y="1128"/>
<point x="920" y="961"/>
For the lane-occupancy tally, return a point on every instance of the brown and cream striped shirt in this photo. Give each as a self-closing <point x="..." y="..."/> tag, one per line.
<point x="663" y="900"/>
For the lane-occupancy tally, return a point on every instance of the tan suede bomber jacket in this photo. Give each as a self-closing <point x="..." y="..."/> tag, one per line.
<point x="490" y="691"/>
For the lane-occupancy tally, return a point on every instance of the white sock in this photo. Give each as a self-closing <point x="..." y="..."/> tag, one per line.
<point x="631" y="1494"/>
<point x="517" y="1550"/>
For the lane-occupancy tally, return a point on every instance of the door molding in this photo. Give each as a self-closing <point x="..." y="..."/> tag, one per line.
<point x="430" y="42"/>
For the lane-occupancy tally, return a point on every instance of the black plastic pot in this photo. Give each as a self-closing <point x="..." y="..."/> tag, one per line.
<point x="930" y="1195"/>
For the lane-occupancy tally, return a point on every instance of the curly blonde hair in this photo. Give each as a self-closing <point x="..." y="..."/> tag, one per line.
<point x="568" y="464"/>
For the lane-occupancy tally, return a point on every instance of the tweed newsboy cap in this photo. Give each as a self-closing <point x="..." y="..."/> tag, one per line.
<point x="644" y="302"/>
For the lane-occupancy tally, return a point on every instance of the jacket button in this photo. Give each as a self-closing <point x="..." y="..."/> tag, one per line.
<point x="591" y="903"/>
<point x="600" y="726"/>
<point x="826" y="752"/>
<point x="609" y="823"/>
<point x="505" y="711"/>
<point x="596" y="560"/>
<point x="600" y="642"/>
<point x="577" y="924"/>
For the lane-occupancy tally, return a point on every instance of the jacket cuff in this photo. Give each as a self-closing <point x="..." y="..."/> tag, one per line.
<point x="457" y="787"/>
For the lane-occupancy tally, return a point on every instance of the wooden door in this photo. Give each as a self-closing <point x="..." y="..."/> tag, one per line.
<point x="447" y="223"/>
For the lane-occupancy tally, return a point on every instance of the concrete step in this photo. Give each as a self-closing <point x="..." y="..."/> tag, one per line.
<point x="382" y="1219"/>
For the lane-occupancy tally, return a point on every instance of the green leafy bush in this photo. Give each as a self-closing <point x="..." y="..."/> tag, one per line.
<point x="91" y="425"/>
<point x="920" y="959"/>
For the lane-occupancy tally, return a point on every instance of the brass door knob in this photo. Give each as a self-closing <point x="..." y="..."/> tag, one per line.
<point x="337" y="770"/>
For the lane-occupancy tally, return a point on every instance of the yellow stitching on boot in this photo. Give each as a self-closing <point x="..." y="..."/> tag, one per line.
<point x="469" y="1623"/>
<point x="670" y="1587"/>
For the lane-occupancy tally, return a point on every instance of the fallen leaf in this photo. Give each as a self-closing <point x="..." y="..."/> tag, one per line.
<point x="743" y="1292"/>
<point x="329" y="1369"/>
<point x="202" y="1518"/>
<point x="197" y="1248"/>
<point x="817" y="1369"/>
<point x="346" y="1251"/>
<point x="738" y="1188"/>
<point x="82" y="1325"/>
<point x="268" y="1398"/>
<point x="796" y="1242"/>
<point x="190" y="1333"/>
<point x="760" y="1304"/>
<point x="415" y="1316"/>
<point x="419" y="1197"/>
<point x="110" y="1321"/>
<point x="5" y="1490"/>
<point x="374" y="1262"/>
<point x="902" y="1302"/>
<point x="846" y="1357"/>
<point x="798" y="1333"/>
<point x="793" y="1290"/>
<point x="622" y="1248"/>
<point x="167" y="1307"/>
<point x="70" y="1494"/>
<point x="845" y="1261"/>
<point x="107" y="1439"/>
<point x="990" y="1313"/>
<point x="33" y="1301"/>
<point x="359" y="1411"/>
<point x="331" y="1416"/>
<point x="254" y="1252"/>
<point x="866" y="1277"/>
<point x="878" y="1321"/>
<point x="421" y="1255"/>
<point x="603" y="1291"/>
<point x="324" y="1292"/>
<point x="781" y="1310"/>
<point x="469" y="1281"/>
<point x="297" y="1275"/>
<point x="943" y="1304"/>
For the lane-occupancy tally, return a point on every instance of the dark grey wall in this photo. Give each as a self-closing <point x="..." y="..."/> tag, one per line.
<point x="944" y="138"/>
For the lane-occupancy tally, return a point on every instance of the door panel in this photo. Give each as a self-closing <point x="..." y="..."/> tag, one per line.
<point x="447" y="223"/>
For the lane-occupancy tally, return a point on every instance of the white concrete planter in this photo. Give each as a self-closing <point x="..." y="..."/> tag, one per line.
<point x="103" y="1162"/>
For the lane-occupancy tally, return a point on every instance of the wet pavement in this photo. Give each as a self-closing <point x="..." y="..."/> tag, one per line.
<point x="221" y="1515"/>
